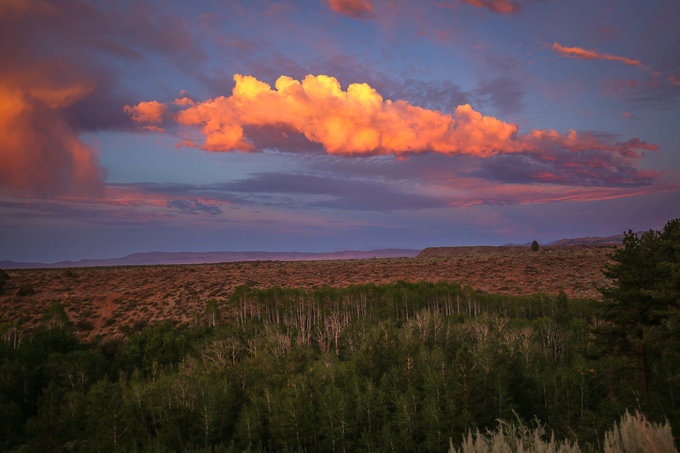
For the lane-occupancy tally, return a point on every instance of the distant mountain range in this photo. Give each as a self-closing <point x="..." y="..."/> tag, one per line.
<point x="153" y="258"/>
<point x="588" y="240"/>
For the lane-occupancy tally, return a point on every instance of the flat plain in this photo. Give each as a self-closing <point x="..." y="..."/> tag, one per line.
<point x="110" y="301"/>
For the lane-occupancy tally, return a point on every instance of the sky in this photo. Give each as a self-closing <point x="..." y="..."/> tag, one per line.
<point x="323" y="125"/>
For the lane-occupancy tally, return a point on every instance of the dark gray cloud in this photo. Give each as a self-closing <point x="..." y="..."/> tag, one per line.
<point x="193" y="206"/>
<point x="297" y="190"/>
<point x="501" y="85"/>
<point x="333" y="192"/>
<point x="504" y="94"/>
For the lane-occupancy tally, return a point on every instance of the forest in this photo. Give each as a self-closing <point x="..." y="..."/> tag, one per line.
<point x="397" y="367"/>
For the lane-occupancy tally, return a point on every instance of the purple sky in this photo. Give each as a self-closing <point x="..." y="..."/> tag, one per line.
<point x="323" y="125"/>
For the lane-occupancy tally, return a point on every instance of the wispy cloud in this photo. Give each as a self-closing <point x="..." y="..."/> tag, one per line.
<point x="193" y="206"/>
<point x="585" y="54"/>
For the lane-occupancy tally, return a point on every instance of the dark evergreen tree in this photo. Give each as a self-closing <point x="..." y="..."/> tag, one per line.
<point x="645" y="272"/>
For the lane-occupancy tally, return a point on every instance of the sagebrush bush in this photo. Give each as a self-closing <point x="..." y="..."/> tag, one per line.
<point x="514" y="438"/>
<point x="632" y="434"/>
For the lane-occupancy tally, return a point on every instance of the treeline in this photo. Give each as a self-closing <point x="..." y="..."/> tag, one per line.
<point x="398" y="367"/>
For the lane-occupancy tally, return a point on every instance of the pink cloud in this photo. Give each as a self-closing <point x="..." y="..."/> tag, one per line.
<point x="496" y="6"/>
<point x="585" y="54"/>
<point x="357" y="9"/>
<point x="40" y="150"/>
<point x="476" y="192"/>
<point x="147" y="112"/>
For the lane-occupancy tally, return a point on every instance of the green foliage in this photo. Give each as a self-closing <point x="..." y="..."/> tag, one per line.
<point x="69" y="273"/>
<point x="54" y="316"/>
<point x="534" y="246"/>
<point x="398" y="367"/>
<point x="641" y="310"/>
<point x="4" y="276"/>
<point x="26" y="290"/>
<point x="213" y="314"/>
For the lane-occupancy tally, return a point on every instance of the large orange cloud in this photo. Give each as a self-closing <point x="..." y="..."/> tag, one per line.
<point x="40" y="151"/>
<point x="585" y="54"/>
<point x="359" y="121"/>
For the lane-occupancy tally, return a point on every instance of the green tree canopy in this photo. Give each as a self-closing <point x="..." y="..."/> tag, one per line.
<point x="640" y="307"/>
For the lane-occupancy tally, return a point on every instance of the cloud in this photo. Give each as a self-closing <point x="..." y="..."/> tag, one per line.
<point x="150" y="112"/>
<point x="434" y="95"/>
<point x="496" y="6"/>
<point x="585" y="54"/>
<point x="359" y="122"/>
<point x="15" y="9"/>
<point x="505" y="94"/>
<point x="193" y="206"/>
<point x="353" y="122"/>
<point x="357" y="9"/>
<point x="40" y="151"/>
<point x="478" y="192"/>
<point x="61" y="77"/>
<point x="322" y="190"/>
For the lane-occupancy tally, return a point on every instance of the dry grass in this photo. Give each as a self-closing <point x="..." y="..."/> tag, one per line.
<point x="106" y="300"/>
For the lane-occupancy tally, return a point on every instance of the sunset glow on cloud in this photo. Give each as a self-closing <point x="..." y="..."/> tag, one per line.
<point x="353" y="8"/>
<point x="352" y="122"/>
<point x="584" y="54"/>
<point x="41" y="152"/>
<point x="147" y="112"/>
<point x="497" y="6"/>
<point x="359" y="122"/>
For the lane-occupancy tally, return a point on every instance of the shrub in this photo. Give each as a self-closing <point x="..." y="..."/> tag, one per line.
<point x="26" y="290"/>
<point x="634" y="433"/>
<point x="70" y="273"/>
<point x="510" y="438"/>
<point x="4" y="276"/>
<point x="534" y="246"/>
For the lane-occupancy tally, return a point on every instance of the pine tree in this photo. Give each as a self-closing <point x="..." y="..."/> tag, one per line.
<point x="646" y="275"/>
